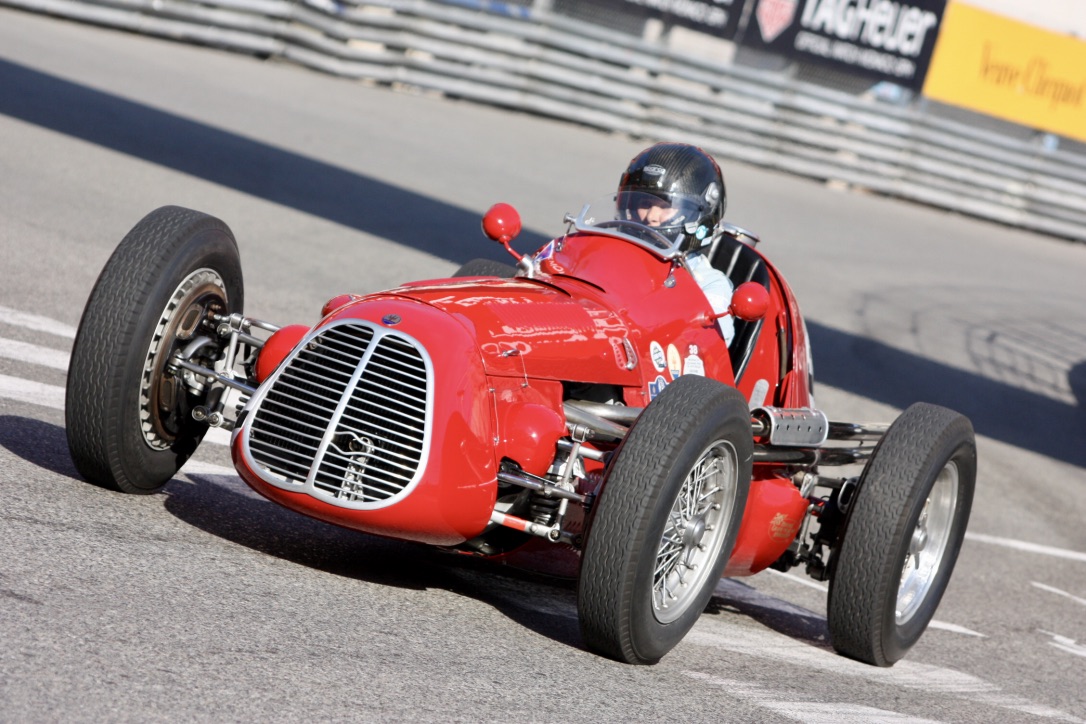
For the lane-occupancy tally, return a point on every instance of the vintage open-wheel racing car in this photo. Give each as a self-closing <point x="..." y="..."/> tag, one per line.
<point x="583" y="401"/>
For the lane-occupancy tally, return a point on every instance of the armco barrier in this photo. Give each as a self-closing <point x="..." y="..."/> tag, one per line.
<point x="544" y="63"/>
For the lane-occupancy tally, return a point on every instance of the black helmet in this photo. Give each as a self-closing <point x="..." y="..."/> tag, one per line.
<point x="686" y="179"/>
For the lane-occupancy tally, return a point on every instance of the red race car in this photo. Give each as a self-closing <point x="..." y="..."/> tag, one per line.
<point x="582" y="403"/>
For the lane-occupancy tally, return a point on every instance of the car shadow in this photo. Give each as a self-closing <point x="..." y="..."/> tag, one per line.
<point x="224" y="507"/>
<point x="732" y="596"/>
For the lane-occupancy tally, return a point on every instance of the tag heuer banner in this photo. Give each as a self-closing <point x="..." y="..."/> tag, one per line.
<point x="885" y="39"/>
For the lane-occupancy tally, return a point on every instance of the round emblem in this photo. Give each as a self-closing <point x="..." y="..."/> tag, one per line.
<point x="391" y="320"/>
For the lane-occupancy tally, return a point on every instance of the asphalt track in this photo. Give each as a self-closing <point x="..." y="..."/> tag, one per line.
<point x="205" y="603"/>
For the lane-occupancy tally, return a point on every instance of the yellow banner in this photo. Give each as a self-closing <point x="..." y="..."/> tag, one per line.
<point x="1003" y="68"/>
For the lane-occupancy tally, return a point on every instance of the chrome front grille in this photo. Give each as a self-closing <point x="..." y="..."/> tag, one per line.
<point x="347" y="418"/>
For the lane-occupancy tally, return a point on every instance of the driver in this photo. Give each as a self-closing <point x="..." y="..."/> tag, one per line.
<point x="678" y="190"/>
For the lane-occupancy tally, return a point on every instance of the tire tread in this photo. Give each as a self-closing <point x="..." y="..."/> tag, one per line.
<point x="105" y="338"/>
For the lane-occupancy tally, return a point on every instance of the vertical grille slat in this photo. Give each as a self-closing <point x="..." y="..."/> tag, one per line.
<point x="347" y="417"/>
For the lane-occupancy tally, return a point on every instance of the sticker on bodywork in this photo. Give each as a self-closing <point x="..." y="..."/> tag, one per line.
<point x="656" y="386"/>
<point x="674" y="362"/>
<point x="758" y="394"/>
<point x="656" y="351"/>
<point x="694" y="364"/>
<point x="782" y="527"/>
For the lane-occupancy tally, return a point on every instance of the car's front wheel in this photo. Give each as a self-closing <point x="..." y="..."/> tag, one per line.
<point x="666" y="521"/>
<point x="128" y="415"/>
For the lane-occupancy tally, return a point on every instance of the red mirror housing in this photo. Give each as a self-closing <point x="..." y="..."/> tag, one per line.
<point x="750" y="302"/>
<point x="502" y="224"/>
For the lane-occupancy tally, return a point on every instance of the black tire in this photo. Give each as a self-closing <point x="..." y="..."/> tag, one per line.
<point x="486" y="268"/>
<point x="129" y="422"/>
<point x="695" y="422"/>
<point x="903" y="531"/>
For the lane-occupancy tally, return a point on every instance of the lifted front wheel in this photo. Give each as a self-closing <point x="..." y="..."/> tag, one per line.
<point x="128" y="413"/>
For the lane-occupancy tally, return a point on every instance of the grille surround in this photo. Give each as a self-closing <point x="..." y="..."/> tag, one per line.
<point x="346" y="418"/>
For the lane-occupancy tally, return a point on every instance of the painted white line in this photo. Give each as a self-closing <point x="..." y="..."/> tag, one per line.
<point x="52" y="396"/>
<point x="941" y="625"/>
<point x="809" y="712"/>
<point x="197" y="467"/>
<point x="1058" y="592"/>
<point x="218" y="436"/>
<point x="36" y="322"/>
<point x="799" y="579"/>
<point x="195" y="471"/>
<point x="717" y="633"/>
<point x="34" y="354"/>
<point x="1065" y="644"/>
<point x="955" y="628"/>
<point x="35" y="393"/>
<point x="819" y="713"/>
<point x="1027" y="547"/>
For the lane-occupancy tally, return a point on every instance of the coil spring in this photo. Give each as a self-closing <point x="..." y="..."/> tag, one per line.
<point x="542" y="509"/>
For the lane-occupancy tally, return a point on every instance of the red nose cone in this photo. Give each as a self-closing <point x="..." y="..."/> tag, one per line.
<point x="276" y="349"/>
<point x="338" y="301"/>
<point x="750" y="302"/>
<point x="501" y="223"/>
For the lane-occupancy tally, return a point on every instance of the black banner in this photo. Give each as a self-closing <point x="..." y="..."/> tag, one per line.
<point x="884" y="39"/>
<point x="715" y="17"/>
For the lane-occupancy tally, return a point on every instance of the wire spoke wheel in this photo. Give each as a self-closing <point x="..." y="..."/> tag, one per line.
<point x="665" y="521"/>
<point x="695" y="531"/>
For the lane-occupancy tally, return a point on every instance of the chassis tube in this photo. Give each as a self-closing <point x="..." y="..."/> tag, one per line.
<point x="811" y="456"/>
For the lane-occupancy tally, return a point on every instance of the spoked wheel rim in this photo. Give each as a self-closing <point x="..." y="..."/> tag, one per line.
<point x="163" y="403"/>
<point x="695" y="531"/>
<point x="928" y="544"/>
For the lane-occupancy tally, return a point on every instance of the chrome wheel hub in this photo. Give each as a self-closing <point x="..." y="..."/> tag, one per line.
<point x="928" y="544"/>
<point x="695" y="531"/>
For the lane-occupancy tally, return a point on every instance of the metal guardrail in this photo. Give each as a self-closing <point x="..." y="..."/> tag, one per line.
<point x="544" y="63"/>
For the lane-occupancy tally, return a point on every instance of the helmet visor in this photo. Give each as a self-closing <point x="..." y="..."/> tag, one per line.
<point x="666" y="213"/>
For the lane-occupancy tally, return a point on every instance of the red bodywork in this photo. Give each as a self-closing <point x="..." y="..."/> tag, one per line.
<point x="603" y="311"/>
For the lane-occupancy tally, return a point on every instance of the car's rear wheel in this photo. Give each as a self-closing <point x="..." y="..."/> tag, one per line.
<point x="666" y="521"/>
<point x="903" y="531"/>
<point x="128" y="416"/>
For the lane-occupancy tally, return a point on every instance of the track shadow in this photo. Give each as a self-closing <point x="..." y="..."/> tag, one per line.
<point x="243" y="164"/>
<point x="998" y="410"/>
<point x="39" y="443"/>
